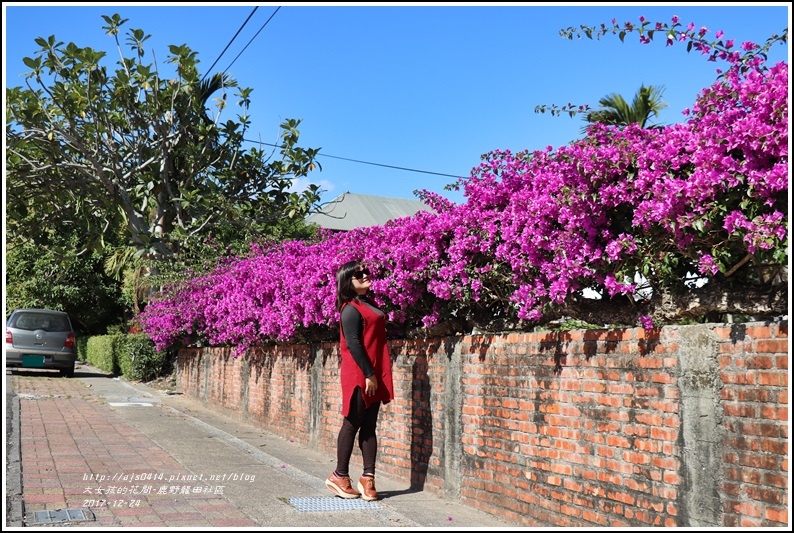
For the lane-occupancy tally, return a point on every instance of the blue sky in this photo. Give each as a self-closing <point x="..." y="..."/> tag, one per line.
<point x="423" y="87"/>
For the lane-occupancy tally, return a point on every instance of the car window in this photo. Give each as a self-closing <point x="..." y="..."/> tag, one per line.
<point x="25" y="321"/>
<point x="33" y="321"/>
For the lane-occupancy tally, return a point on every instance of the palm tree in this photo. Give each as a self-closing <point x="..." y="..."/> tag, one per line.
<point x="616" y="112"/>
<point x="211" y="85"/>
<point x="124" y="266"/>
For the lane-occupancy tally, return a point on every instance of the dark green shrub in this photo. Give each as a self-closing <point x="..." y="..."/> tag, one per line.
<point x="81" y="342"/>
<point x="138" y="358"/>
<point x="101" y="352"/>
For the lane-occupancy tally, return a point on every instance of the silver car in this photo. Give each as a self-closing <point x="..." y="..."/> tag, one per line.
<point x="40" y="338"/>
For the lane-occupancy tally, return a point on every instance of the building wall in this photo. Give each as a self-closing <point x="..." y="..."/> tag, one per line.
<point x="682" y="426"/>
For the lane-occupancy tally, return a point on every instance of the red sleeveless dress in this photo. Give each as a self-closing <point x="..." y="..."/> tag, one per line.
<point x="375" y="345"/>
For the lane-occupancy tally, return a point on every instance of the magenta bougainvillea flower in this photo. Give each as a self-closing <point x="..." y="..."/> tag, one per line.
<point x="536" y="227"/>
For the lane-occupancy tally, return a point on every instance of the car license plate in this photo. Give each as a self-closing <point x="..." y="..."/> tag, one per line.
<point x="33" y="361"/>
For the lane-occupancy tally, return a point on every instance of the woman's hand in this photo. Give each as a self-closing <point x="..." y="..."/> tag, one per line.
<point x="372" y="386"/>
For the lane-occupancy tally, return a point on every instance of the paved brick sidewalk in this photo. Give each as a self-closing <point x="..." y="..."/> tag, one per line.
<point x="122" y="454"/>
<point x="70" y="439"/>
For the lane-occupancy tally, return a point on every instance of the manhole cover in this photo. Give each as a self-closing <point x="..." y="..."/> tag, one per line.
<point x="310" y="505"/>
<point x="62" y="515"/>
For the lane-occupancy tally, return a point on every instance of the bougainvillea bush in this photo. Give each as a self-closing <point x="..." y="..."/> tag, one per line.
<point x="696" y="213"/>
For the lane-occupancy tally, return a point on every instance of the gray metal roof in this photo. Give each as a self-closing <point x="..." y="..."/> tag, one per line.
<point x="350" y="211"/>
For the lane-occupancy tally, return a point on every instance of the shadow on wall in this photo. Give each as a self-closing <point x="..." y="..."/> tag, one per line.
<point x="421" y="423"/>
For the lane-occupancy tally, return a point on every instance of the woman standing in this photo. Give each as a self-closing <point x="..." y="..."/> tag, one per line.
<point x="366" y="378"/>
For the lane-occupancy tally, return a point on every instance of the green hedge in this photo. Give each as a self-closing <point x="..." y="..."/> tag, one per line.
<point x="81" y="342"/>
<point x="131" y="355"/>
<point x="101" y="352"/>
<point x="139" y="359"/>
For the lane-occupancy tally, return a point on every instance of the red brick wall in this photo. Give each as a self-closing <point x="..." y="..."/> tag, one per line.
<point x="279" y="389"/>
<point x="682" y="426"/>
<point x="754" y="371"/>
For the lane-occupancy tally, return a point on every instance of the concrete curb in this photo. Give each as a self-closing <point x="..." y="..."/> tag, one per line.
<point x="14" y="502"/>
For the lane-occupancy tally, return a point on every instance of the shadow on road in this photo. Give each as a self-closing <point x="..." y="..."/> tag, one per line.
<point x="79" y="372"/>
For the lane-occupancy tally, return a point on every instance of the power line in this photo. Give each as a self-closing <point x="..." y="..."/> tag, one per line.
<point x="252" y="38"/>
<point x="324" y="155"/>
<point x="368" y="162"/>
<point x="391" y="166"/>
<point x="230" y="42"/>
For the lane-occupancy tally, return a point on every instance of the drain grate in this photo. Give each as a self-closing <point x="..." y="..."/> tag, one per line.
<point x="311" y="505"/>
<point x="62" y="515"/>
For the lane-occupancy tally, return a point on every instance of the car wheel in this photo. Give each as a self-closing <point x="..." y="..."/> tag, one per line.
<point x="67" y="372"/>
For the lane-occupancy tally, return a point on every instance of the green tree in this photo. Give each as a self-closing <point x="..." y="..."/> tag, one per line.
<point x="142" y="153"/>
<point x="615" y="111"/>
<point x="42" y="275"/>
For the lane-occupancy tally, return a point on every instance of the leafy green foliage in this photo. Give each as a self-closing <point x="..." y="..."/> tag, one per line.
<point x="101" y="352"/>
<point x="48" y="274"/>
<point x="138" y="358"/>
<point x="131" y="355"/>
<point x="615" y="111"/>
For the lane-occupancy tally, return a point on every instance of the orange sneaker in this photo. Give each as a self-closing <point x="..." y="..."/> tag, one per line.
<point x="366" y="486"/>
<point x="341" y="486"/>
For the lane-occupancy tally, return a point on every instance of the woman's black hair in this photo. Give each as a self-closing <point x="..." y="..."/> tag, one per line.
<point x="344" y="284"/>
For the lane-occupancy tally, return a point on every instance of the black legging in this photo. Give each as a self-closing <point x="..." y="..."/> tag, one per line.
<point x="362" y="421"/>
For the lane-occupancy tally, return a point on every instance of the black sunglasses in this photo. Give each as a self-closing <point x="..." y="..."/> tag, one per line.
<point x="359" y="274"/>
